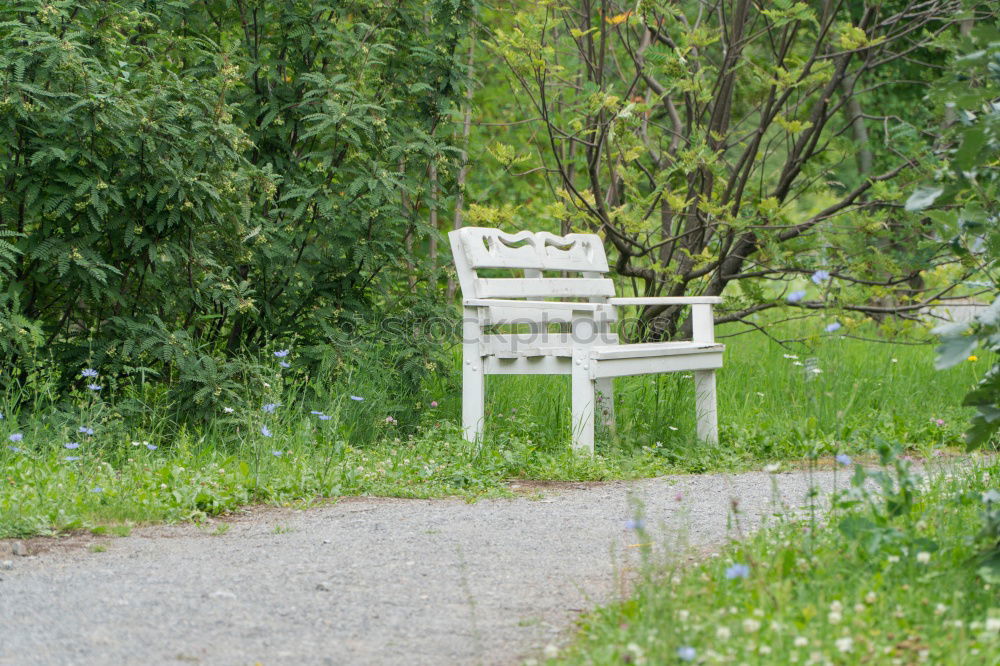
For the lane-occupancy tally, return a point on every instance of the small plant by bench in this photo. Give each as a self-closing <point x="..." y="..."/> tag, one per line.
<point x="584" y="308"/>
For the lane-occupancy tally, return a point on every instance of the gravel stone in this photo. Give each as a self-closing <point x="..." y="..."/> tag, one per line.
<point x="411" y="581"/>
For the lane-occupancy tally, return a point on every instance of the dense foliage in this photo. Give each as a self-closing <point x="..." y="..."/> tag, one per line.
<point x="180" y="182"/>
<point x="738" y="148"/>
<point x="966" y="200"/>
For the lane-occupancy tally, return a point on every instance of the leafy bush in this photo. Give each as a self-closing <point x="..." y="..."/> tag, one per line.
<point x="968" y="199"/>
<point x="181" y="183"/>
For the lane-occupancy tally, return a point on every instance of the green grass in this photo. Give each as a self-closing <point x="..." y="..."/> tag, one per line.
<point x="142" y="465"/>
<point x="906" y="589"/>
<point x="771" y="407"/>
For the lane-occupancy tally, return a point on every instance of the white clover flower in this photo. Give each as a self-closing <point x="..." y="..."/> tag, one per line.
<point x="750" y="625"/>
<point x="893" y="559"/>
<point x="836" y="606"/>
<point x="870" y="598"/>
<point x="923" y="557"/>
<point x="772" y="468"/>
<point x="834" y="617"/>
<point x="683" y="615"/>
<point x="723" y="633"/>
<point x="993" y="624"/>
<point x="940" y="609"/>
<point x="845" y="644"/>
<point x="801" y="641"/>
<point x="764" y="649"/>
<point x="551" y="651"/>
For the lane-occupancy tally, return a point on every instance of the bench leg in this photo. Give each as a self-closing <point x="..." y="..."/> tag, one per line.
<point x="473" y="397"/>
<point x="704" y="397"/>
<point x="583" y="405"/>
<point x="606" y="400"/>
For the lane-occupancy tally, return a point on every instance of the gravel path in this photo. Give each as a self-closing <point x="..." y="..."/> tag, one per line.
<point x="369" y="580"/>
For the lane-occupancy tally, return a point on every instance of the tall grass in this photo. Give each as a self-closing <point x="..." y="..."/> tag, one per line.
<point x="826" y="394"/>
<point x="374" y="435"/>
<point x="904" y="577"/>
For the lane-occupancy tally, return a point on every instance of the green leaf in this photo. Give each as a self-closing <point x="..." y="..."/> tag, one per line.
<point x="954" y="350"/>
<point x="923" y="197"/>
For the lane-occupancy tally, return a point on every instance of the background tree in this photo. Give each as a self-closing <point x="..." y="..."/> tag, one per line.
<point x="729" y="142"/>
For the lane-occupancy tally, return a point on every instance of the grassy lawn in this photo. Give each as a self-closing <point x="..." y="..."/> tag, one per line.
<point x="896" y="580"/>
<point x="298" y="438"/>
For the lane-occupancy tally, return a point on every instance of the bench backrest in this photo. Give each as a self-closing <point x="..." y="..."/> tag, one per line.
<point x="539" y="255"/>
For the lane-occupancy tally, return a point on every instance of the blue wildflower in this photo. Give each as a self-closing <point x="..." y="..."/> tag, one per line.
<point x="315" y="413"/>
<point x="281" y="353"/>
<point x="151" y="447"/>
<point x="686" y="653"/>
<point x="276" y="453"/>
<point x="94" y="387"/>
<point x="830" y="328"/>
<point x="356" y="397"/>
<point x="16" y="437"/>
<point x="71" y="458"/>
<point x="86" y="431"/>
<point x="271" y="406"/>
<point x="264" y="431"/>
<point x="635" y="524"/>
<point x="820" y="276"/>
<point x="843" y="459"/>
<point x="89" y="372"/>
<point x="97" y="489"/>
<point x="796" y="296"/>
<point x="285" y="364"/>
<point x="325" y="417"/>
<point x="15" y="449"/>
<point x="72" y="445"/>
<point x="737" y="571"/>
<point x="1" y="417"/>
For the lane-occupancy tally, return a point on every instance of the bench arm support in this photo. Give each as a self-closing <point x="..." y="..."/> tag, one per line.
<point x="667" y="300"/>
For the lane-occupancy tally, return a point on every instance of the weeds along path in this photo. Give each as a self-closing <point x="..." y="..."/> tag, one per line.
<point x="369" y="580"/>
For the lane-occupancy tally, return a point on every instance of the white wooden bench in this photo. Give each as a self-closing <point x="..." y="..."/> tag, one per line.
<point x="585" y="309"/>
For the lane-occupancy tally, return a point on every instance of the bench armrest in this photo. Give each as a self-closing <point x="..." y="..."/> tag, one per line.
<point x="667" y="300"/>
<point x="534" y="305"/>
